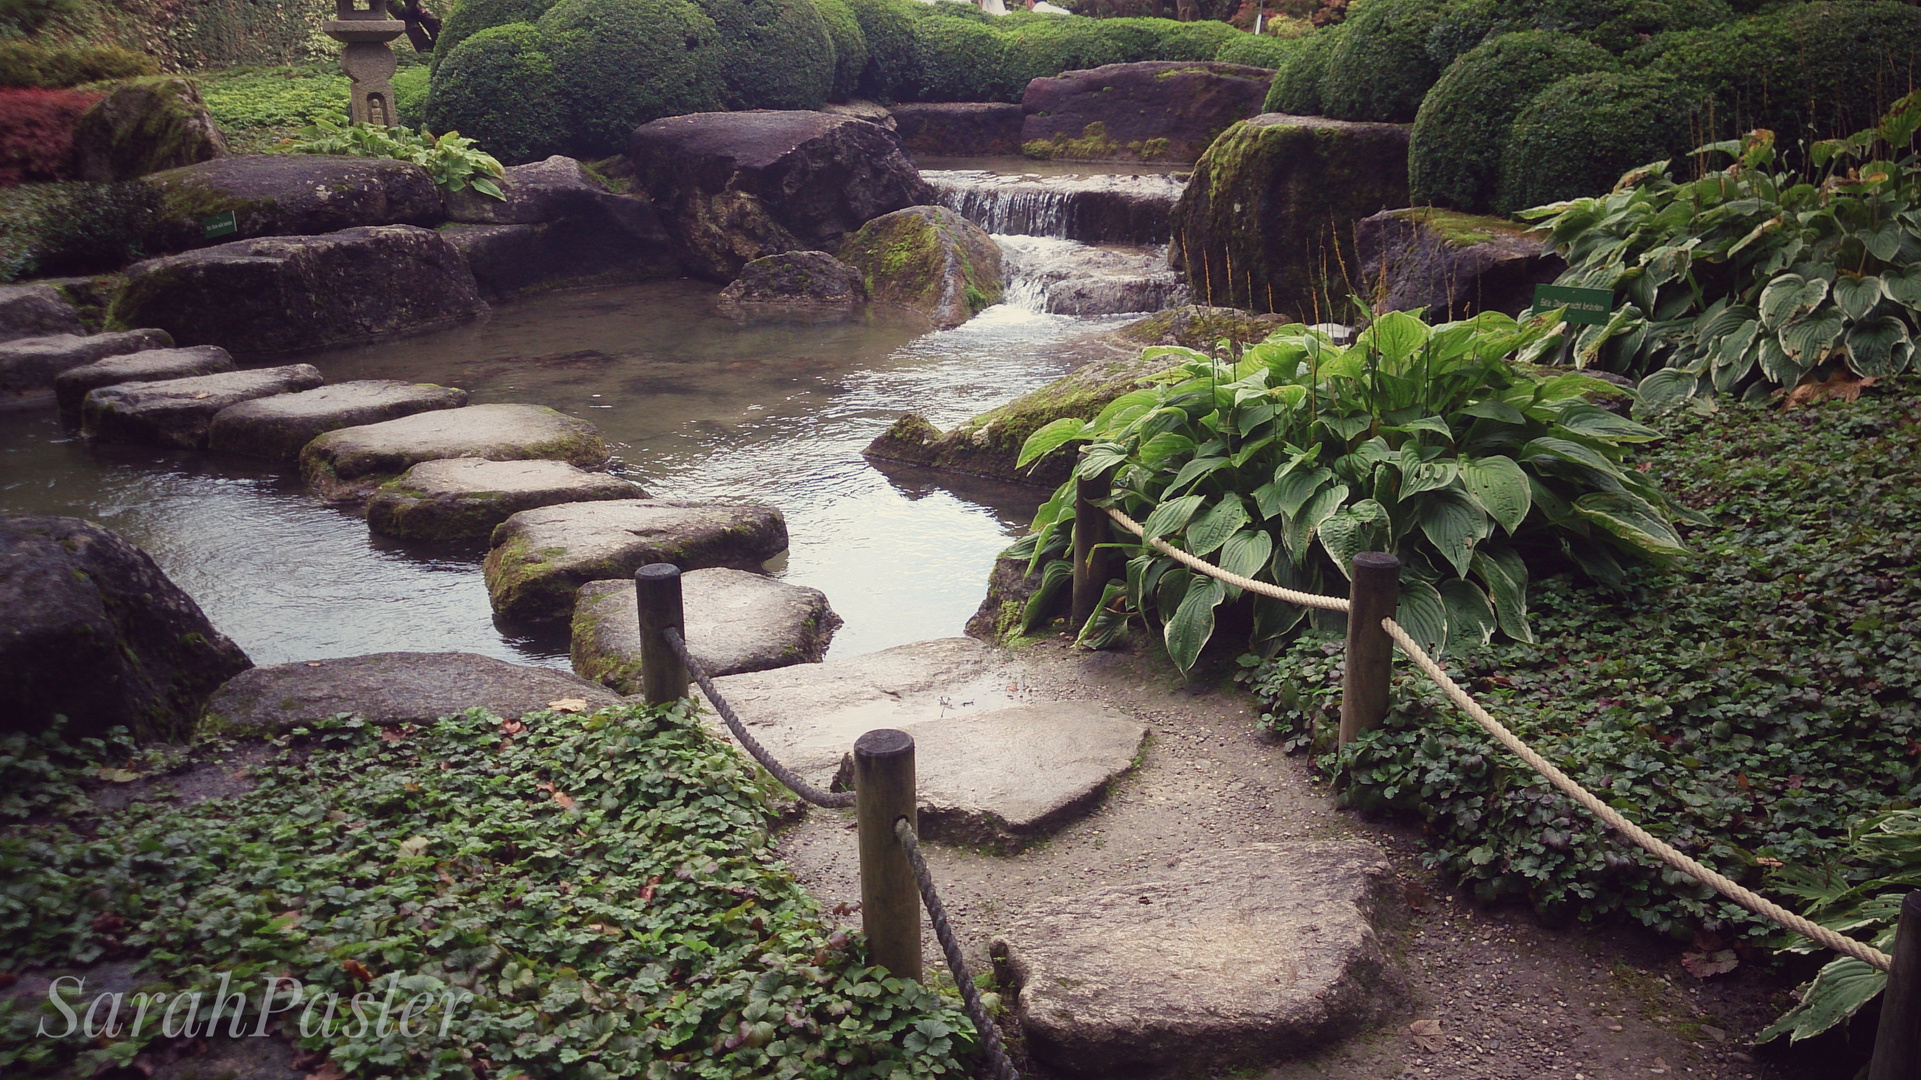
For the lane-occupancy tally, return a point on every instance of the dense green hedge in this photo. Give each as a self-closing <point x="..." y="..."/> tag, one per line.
<point x="775" y="54"/>
<point x="1462" y="129"/>
<point x="470" y="17"/>
<point x="1297" y="83"/>
<point x="959" y="60"/>
<point x="1258" y="50"/>
<point x="471" y="94"/>
<point x="601" y="48"/>
<point x="888" y="28"/>
<point x="1579" y="135"/>
<point x="850" y="46"/>
<point x="1380" y="68"/>
<point x="25" y="64"/>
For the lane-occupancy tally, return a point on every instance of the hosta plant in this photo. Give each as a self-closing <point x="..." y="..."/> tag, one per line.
<point x="451" y="159"/>
<point x="1754" y="276"/>
<point x="1416" y="440"/>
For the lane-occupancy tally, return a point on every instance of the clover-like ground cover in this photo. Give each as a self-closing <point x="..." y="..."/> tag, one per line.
<point x="603" y="885"/>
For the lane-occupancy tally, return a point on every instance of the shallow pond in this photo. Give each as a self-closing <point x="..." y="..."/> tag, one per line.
<point x="697" y="404"/>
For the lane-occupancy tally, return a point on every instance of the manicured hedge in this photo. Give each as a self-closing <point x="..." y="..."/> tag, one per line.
<point x="1044" y="45"/>
<point x="1620" y="25"/>
<point x="497" y="88"/>
<point x="1258" y="50"/>
<point x="1297" y="82"/>
<point x="410" y="95"/>
<point x="892" y="72"/>
<point x="1580" y="134"/>
<point x="620" y="63"/>
<point x="960" y="60"/>
<point x="775" y="54"/>
<point x="850" y="46"/>
<point x="1200" y="40"/>
<point x="1380" y="68"/>
<point x="470" y="17"/>
<point x="24" y="64"/>
<point x="1462" y="129"/>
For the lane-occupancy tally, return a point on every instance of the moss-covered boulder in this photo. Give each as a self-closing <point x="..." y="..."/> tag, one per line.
<point x="1266" y="221"/>
<point x="288" y="195"/>
<point x="797" y="277"/>
<point x="144" y="126"/>
<point x="1451" y="264"/>
<point x="1578" y="136"/>
<point x="930" y="259"/>
<point x="1454" y="156"/>
<point x="960" y="128"/>
<point x="1149" y="111"/>
<point x="497" y="87"/>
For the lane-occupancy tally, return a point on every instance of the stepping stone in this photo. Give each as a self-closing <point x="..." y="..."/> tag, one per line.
<point x="540" y="557"/>
<point x="1234" y="959"/>
<point x="178" y="412"/>
<point x="467" y="497"/>
<point x="35" y="311"/>
<point x="736" y="621"/>
<point x="70" y="387"/>
<point x="31" y="363"/>
<point x="348" y="464"/>
<point x="277" y="427"/>
<point x="1002" y="779"/>
<point x="389" y="689"/>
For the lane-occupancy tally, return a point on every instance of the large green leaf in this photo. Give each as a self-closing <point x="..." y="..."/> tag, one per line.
<point x="1049" y="438"/>
<point x="1584" y="419"/>
<point x="1666" y="389"/>
<point x="1500" y="487"/>
<point x="1808" y="340"/>
<point x="1904" y="288"/>
<point x="1396" y="335"/>
<point x="1212" y="529"/>
<point x="1193" y="622"/>
<point x="1838" y="991"/>
<point x="1246" y="552"/>
<point x="1300" y="530"/>
<point x="1343" y="536"/>
<point x="1195" y="469"/>
<point x="1469" y="615"/>
<point x="1423" y="614"/>
<point x="1878" y="347"/>
<point x="1427" y="476"/>
<point x="1453" y="524"/>
<point x="1285" y="495"/>
<point x="1788" y="297"/>
<point x="1856" y="296"/>
<point x="1568" y="450"/>
<point x="1775" y="362"/>
<point x="1630" y="518"/>
<point x="1170" y="516"/>
<point x="1505" y="575"/>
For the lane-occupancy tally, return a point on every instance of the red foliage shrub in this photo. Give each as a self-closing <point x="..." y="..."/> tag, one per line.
<point x="36" y="132"/>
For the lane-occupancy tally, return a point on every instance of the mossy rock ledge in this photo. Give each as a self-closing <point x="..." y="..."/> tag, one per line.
<point x="145" y="126"/>
<point x="930" y="259"/>
<point x="1265" y="223"/>
<point x="1450" y="263"/>
<point x="346" y="465"/>
<point x="289" y="195"/>
<point x="1155" y="110"/>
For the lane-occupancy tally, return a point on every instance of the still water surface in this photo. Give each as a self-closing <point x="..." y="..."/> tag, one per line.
<point x="696" y="404"/>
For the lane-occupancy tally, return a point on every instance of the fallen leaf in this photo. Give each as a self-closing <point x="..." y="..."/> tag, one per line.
<point x="357" y="969"/>
<point x="118" y="776"/>
<point x="313" y="663"/>
<point x="202" y="395"/>
<point x="328" y="1071"/>
<point x="569" y="704"/>
<point x="647" y="893"/>
<point x="544" y="786"/>
<point x="445" y="878"/>
<point x="412" y="848"/>
<point x="390" y="736"/>
<point x="1427" y="1036"/>
<point x="512" y="727"/>
<point x="565" y="800"/>
<point x="1843" y="385"/>
<point x="1764" y="860"/>
<point x="1660" y="1065"/>
<point x="1707" y="965"/>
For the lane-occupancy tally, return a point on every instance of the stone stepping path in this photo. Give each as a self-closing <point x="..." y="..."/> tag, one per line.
<point x="455" y="498"/>
<point x="71" y="387"/>
<point x="178" y="412"/>
<point x="348" y="464"/>
<point x="31" y="364"/>
<point x="735" y="621"/>
<point x="1231" y="959"/>
<point x="276" y="428"/>
<point x="541" y="557"/>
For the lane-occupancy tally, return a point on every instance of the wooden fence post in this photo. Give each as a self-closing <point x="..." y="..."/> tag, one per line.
<point x="1373" y="595"/>
<point x="1897" y="1042"/>
<point x="1093" y="568"/>
<point x="889" y="896"/>
<point x="663" y="677"/>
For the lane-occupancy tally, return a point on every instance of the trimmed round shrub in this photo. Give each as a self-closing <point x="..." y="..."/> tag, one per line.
<point x="620" y="63"/>
<point x="1380" y="69"/>
<point x="960" y="60"/>
<point x="496" y="88"/>
<point x="1578" y="136"/>
<point x="892" y="72"/>
<point x="1046" y="45"/>
<point x="1297" y="82"/>
<point x="410" y="96"/>
<point x="24" y="64"/>
<point x="1804" y="72"/>
<point x="1258" y="50"/>
<point x="775" y="54"/>
<point x="1199" y="40"/>
<point x="1620" y="25"/>
<point x="1454" y="158"/>
<point x="850" y="47"/>
<point x="470" y="17"/>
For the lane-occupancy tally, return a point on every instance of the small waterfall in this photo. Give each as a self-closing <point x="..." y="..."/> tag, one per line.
<point x="1064" y="277"/>
<point x="1092" y="208"/>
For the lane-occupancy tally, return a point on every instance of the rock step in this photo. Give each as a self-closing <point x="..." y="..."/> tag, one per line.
<point x="35" y="311"/>
<point x="32" y="363"/>
<point x="347" y="465"/>
<point x="454" y="498"/>
<point x="178" y="412"/>
<point x="1234" y="959"/>
<point x="735" y="621"/>
<point x="540" y="557"/>
<point x="70" y="387"/>
<point x="276" y="428"/>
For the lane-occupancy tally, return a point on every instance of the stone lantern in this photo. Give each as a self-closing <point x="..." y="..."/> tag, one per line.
<point x="367" y="59"/>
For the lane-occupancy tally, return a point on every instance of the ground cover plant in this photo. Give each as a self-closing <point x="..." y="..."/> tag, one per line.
<point x="1416" y="440"/>
<point x="1751" y="705"/>
<point x="450" y="159"/>
<point x="603" y="885"/>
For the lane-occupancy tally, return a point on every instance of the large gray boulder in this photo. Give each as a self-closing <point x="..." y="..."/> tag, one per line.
<point x="390" y="689"/>
<point x="540" y="557"/>
<point x="29" y="364"/>
<point x="178" y="412"/>
<point x="797" y="277"/>
<point x="289" y="195"/>
<point x="929" y="259"/>
<point x="1155" y="110"/>
<point x="733" y="187"/>
<point x="455" y="498"/>
<point x="1452" y="264"/>
<point x="144" y="126"/>
<point x="549" y="190"/>
<point x="35" y="311"/>
<point x="1232" y="959"/>
<point x="735" y="621"/>
<point x="95" y="632"/>
<point x="277" y="427"/>
<point x="287" y="293"/>
<point x="71" y="386"/>
<point x="348" y="464"/>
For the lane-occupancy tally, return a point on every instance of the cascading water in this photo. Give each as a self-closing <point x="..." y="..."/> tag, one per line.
<point x="1091" y="208"/>
<point x="1064" y="277"/>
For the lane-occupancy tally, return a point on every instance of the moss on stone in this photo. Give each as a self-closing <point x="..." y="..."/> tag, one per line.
<point x="1462" y="230"/>
<point x="908" y="258"/>
<point x="1093" y="145"/>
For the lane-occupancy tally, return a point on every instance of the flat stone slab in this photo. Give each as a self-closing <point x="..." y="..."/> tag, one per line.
<point x="177" y="412"/>
<point x="348" y="464"/>
<point x="467" y="497"/>
<point x="32" y="363"/>
<point x="735" y="621"/>
<point x="540" y="557"/>
<point x="1001" y="779"/>
<point x="1235" y="958"/>
<point x="71" y="387"/>
<point x="277" y="427"/>
<point x="389" y="689"/>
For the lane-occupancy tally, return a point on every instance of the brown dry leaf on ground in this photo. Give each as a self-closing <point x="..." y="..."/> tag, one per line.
<point x="1427" y="1036"/>
<point x="569" y="704"/>
<point x="1843" y="385"/>
<point x="512" y="727"/>
<point x="327" y="1071"/>
<point x="358" y="970"/>
<point x="565" y="800"/>
<point x="1703" y="965"/>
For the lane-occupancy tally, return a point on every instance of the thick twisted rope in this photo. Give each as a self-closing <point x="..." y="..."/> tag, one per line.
<point x="1313" y="600"/>
<point x="956" y="964"/>
<point x="836" y="800"/>
<point x="1754" y="902"/>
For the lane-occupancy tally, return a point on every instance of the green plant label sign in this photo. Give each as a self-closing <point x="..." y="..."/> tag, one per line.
<point x="224" y="224"/>
<point x="1585" y="307"/>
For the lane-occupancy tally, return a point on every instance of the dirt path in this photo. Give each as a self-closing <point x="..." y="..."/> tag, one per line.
<point x="1512" y="999"/>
